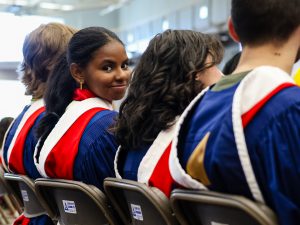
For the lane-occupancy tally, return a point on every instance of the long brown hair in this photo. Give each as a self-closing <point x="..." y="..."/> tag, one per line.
<point x="164" y="83"/>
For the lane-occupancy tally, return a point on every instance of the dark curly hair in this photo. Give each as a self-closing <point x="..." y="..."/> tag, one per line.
<point x="163" y="84"/>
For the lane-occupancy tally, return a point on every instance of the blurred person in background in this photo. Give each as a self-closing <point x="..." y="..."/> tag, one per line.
<point x="42" y="49"/>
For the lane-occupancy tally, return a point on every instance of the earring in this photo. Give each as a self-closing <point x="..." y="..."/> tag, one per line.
<point x="81" y="84"/>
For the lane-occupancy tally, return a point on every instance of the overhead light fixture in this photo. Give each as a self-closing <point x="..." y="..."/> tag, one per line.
<point x="203" y="12"/>
<point x="55" y="6"/>
<point x="21" y="2"/>
<point x="49" y="5"/>
<point x="165" y="25"/>
<point x="67" y="7"/>
<point x="113" y="7"/>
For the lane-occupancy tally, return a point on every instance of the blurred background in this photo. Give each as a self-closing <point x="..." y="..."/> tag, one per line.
<point x="135" y="21"/>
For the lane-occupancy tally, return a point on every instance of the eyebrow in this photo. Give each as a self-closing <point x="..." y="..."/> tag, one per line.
<point x="113" y="61"/>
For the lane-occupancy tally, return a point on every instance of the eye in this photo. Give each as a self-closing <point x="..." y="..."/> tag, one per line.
<point x="125" y="66"/>
<point x="107" y="68"/>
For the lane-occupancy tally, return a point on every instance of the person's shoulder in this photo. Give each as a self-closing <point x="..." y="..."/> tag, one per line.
<point x="279" y="107"/>
<point x="288" y="96"/>
<point x="106" y="114"/>
<point x="103" y="119"/>
<point x="271" y="83"/>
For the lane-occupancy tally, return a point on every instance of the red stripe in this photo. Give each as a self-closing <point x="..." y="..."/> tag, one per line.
<point x="248" y="116"/>
<point x="161" y="176"/>
<point x="82" y="94"/>
<point x="16" y="157"/>
<point x="22" y="220"/>
<point x="60" y="161"/>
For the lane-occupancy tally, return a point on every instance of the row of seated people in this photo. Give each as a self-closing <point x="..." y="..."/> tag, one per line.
<point x="176" y="127"/>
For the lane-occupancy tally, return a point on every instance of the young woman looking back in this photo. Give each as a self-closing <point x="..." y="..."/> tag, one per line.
<point x="75" y="141"/>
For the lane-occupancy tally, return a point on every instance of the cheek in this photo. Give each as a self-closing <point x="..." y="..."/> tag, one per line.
<point x="97" y="86"/>
<point x="128" y="75"/>
<point x="212" y="76"/>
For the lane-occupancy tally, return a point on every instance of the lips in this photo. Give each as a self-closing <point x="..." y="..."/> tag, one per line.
<point x="121" y="88"/>
<point x="120" y="85"/>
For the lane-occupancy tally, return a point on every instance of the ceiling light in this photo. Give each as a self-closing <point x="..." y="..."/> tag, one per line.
<point x="21" y="2"/>
<point x="203" y="12"/>
<point x="55" y="6"/>
<point x="67" y="7"/>
<point x="165" y="25"/>
<point x="49" y="5"/>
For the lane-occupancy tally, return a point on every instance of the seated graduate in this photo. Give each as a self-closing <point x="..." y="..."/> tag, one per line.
<point x="75" y="138"/>
<point x="243" y="135"/>
<point x="175" y="67"/>
<point x="42" y="49"/>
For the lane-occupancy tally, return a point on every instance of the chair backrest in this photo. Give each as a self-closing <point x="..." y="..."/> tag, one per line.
<point x="24" y="187"/>
<point x="3" y="184"/>
<point x="138" y="203"/>
<point x="11" y="188"/>
<point x="213" y="208"/>
<point x="73" y="202"/>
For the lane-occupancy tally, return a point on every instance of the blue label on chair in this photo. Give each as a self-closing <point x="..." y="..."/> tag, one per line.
<point x="136" y="212"/>
<point x="69" y="206"/>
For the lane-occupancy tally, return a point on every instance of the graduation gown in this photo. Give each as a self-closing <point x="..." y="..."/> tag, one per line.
<point x="20" y="141"/>
<point x="80" y="146"/>
<point x="149" y="164"/>
<point x="18" y="150"/>
<point x="242" y="137"/>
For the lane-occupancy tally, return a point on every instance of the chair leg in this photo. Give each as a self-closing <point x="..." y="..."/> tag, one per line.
<point x="4" y="219"/>
<point x="13" y="205"/>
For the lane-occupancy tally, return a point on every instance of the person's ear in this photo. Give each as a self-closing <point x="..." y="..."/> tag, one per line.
<point x="198" y="76"/>
<point x="77" y="73"/>
<point x="231" y="30"/>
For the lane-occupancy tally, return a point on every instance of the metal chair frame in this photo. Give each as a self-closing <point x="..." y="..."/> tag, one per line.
<point x="207" y="207"/>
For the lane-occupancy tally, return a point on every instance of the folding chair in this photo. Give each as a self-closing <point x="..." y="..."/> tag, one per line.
<point x="24" y="188"/>
<point x="211" y="208"/>
<point x="138" y="203"/>
<point x="4" y="193"/>
<point x="73" y="202"/>
<point x="10" y="194"/>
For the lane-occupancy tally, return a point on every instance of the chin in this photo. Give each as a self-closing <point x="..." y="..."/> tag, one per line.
<point x="118" y="97"/>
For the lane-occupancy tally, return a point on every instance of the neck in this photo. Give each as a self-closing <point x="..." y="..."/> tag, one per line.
<point x="281" y="56"/>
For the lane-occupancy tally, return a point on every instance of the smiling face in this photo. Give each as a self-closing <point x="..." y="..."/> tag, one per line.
<point x="107" y="74"/>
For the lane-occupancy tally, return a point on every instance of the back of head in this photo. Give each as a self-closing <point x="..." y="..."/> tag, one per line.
<point x="259" y="21"/>
<point x="164" y="83"/>
<point x="41" y="51"/>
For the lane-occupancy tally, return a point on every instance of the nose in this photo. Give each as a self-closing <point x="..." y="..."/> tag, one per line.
<point x="122" y="75"/>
